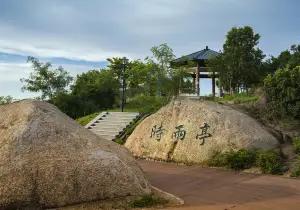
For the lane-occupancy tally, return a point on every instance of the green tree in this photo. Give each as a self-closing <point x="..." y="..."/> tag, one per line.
<point x="6" y="100"/>
<point x="295" y="56"/>
<point x="98" y="86"/>
<point x="290" y="58"/>
<point x="283" y="92"/>
<point x="92" y="91"/>
<point x="164" y="55"/>
<point x="240" y="63"/>
<point x="49" y="82"/>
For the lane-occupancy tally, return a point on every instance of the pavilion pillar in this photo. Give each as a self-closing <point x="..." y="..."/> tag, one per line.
<point x="198" y="80"/>
<point x="220" y="88"/>
<point x="213" y="81"/>
<point x="194" y="82"/>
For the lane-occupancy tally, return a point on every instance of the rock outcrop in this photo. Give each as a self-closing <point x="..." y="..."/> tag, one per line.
<point x="48" y="160"/>
<point x="191" y="131"/>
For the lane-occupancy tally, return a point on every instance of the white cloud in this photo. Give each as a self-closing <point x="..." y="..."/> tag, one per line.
<point x="94" y="30"/>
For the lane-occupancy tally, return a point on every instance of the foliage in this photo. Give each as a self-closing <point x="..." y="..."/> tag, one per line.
<point x="179" y="81"/>
<point x="92" y="91"/>
<point x="288" y="58"/>
<point x="295" y="171"/>
<point x="269" y="162"/>
<point x="6" y="100"/>
<point x="50" y="82"/>
<point x="240" y="159"/>
<point x="283" y="92"/>
<point x="148" y="201"/>
<point x="142" y="77"/>
<point x="86" y="119"/>
<point x="146" y="104"/>
<point x="240" y="63"/>
<point x="218" y="159"/>
<point x="164" y="55"/>
<point x="238" y="98"/>
<point x="73" y="105"/>
<point x="296" y="144"/>
<point x="98" y="87"/>
<point x="119" y="141"/>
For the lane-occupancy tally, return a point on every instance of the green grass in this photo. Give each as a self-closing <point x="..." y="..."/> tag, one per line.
<point x="148" y="201"/>
<point x="86" y="119"/>
<point x="238" y="98"/>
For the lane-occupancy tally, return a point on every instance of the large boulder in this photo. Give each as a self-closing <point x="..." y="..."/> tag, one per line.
<point x="191" y="131"/>
<point x="48" y="160"/>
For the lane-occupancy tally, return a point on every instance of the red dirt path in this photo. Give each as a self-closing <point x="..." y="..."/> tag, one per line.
<point x="217" y="189"/>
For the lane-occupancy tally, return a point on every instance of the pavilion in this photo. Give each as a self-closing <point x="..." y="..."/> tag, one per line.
<point x="199" y="61"/>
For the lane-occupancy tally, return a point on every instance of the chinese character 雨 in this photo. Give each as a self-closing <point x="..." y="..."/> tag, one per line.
<point x="204" y="134"/>
<point x="179" y="134"/>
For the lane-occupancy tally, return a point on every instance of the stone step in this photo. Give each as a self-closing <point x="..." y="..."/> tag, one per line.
<point x="111" y="124"/>
<point x="115" y="119"/>
<point x="102" y="126"/>
<point x="123" y="113"/>
<point x="105" y="133"/>
<point x="107" y="137"/>
<point x="116" y="132"/>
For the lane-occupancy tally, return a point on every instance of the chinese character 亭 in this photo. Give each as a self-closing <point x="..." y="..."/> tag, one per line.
<point x="204" y="134"/>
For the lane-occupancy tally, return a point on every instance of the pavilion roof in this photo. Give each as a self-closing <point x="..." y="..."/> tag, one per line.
<point x="201" y="55"/>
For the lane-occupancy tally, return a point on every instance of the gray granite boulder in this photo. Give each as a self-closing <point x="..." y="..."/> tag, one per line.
<point x="48" y="160"/>
<point x="191" y="131"/>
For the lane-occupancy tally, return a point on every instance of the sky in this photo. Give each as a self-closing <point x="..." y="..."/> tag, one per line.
<point x="80" y="35"/>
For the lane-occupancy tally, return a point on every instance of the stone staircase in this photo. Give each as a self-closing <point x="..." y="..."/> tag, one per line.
<point x="110" y="125"/>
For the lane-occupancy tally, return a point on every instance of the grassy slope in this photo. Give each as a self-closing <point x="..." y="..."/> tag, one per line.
<point x="86" y="119"/>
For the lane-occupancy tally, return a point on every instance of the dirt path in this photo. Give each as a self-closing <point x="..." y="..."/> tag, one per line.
<point x="216" y="189"/>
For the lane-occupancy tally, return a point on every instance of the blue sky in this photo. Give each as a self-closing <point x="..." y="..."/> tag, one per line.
<point x="79" y="35"/>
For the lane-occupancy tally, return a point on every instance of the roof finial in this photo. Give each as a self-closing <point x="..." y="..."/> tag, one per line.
<point x="206" y="47"/>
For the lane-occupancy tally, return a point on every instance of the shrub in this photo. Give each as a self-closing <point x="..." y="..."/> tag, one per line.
<point x="119" y="141"/>
<point x="241" y="159"/>
<point x="296" y="144"/>
<point x="283" y="92"/>
<point x="5" y="100"/>
<point x="237" y="160"/>
<point x="148" y="201"/>
<point x="269" y="162"/>
<point x="218" y="159"/>
<point x="295" y="172"/>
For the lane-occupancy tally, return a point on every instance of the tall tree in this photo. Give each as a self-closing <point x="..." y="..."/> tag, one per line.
<point x="241" y="61"/>
<point x="287" y="58"/>
<point x="164" y="55"/>
<point x="97" y="86"/>
<point x="49" y="82"/>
